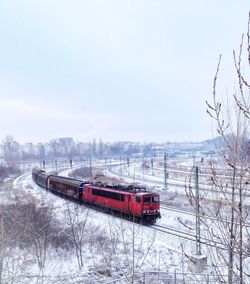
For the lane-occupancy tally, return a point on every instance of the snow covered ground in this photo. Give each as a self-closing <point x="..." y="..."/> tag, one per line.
<point x="164" y="254"/>
<point x="112" y="248"/>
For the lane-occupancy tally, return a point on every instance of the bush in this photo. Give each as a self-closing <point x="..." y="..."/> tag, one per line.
<point x="7" y="171"/>
<point x="82" y="173"/>
<point x="27" y="222"/>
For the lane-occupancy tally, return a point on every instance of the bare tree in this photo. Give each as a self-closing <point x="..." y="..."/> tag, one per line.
<point x="76" y="221"/>
<point x="231" y="184"/>
<point x="12" y="258"/>
<point x="3" y="247"/>
<point x="106" y="245"/>
<point x="126" y="249"/>
<point x="40" y="233"/>
<point x="11" y="151"/>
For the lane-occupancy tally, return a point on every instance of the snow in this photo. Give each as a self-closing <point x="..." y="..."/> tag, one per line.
<point x="165" y="252"/>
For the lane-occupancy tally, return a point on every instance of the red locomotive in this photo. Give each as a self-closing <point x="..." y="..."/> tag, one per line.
<point x="137" y="202"/>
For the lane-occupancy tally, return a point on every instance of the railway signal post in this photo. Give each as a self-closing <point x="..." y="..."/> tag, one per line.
<point x="56" y="165"/>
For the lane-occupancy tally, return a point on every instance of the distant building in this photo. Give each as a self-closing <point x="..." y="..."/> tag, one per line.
<point x="83" y="148"/>
<point x="1" y="151"/>
<point x="63" y="141"/>
<point x="28" y="148"/>
<point x="62" y="146"/>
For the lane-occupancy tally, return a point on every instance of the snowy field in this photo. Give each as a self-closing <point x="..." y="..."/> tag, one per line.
<point x="152" y="251"/>
<point x="106" y="248"/>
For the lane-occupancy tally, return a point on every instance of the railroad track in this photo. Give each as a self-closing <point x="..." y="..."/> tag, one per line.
<point x="156" y="180"/>
<point x="159" y="228"/>
<point x="188" y="236"/>
<point x="148" y="179"/>
<point x="164" y="207"/>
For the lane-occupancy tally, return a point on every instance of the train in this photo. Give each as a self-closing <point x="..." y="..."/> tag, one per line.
<point x="131" y="201"/>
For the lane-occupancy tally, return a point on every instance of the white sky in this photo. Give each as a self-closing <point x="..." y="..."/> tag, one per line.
<point x="134" y="70"/>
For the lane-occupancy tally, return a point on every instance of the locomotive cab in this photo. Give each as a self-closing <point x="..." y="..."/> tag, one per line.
<point x="151" y="207"/>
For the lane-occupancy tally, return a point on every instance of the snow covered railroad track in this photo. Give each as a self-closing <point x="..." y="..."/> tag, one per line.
<point x="18" y="181"/>
<point x="187" y="236"/>
<point x="164" y="207"/>
<point x="173" y="184"/>
<point x="184" y="212"/>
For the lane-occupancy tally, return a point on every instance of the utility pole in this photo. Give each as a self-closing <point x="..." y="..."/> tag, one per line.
<point x="143" y="166"/>
<point x="165" y="172"/>
<point x="198" y="261"/>
<point x="120" y="166"/>
<point x="197" y="207"/>
<point x="128" y="166"/>
<point x="152" y="166"/>
<point x="90" y="166"/>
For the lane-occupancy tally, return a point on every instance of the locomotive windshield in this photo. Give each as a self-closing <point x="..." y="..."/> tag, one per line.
<point x="151" y="199"/>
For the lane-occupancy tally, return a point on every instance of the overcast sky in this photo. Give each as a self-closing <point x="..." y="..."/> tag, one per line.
<point x="134" y="70"/>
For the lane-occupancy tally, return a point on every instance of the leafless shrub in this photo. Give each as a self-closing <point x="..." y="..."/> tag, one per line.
<point x="33" y="221"/>
<point x="83" y="173"/>
<point x="8" y="171"/>
<point x="76" y="232"/>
